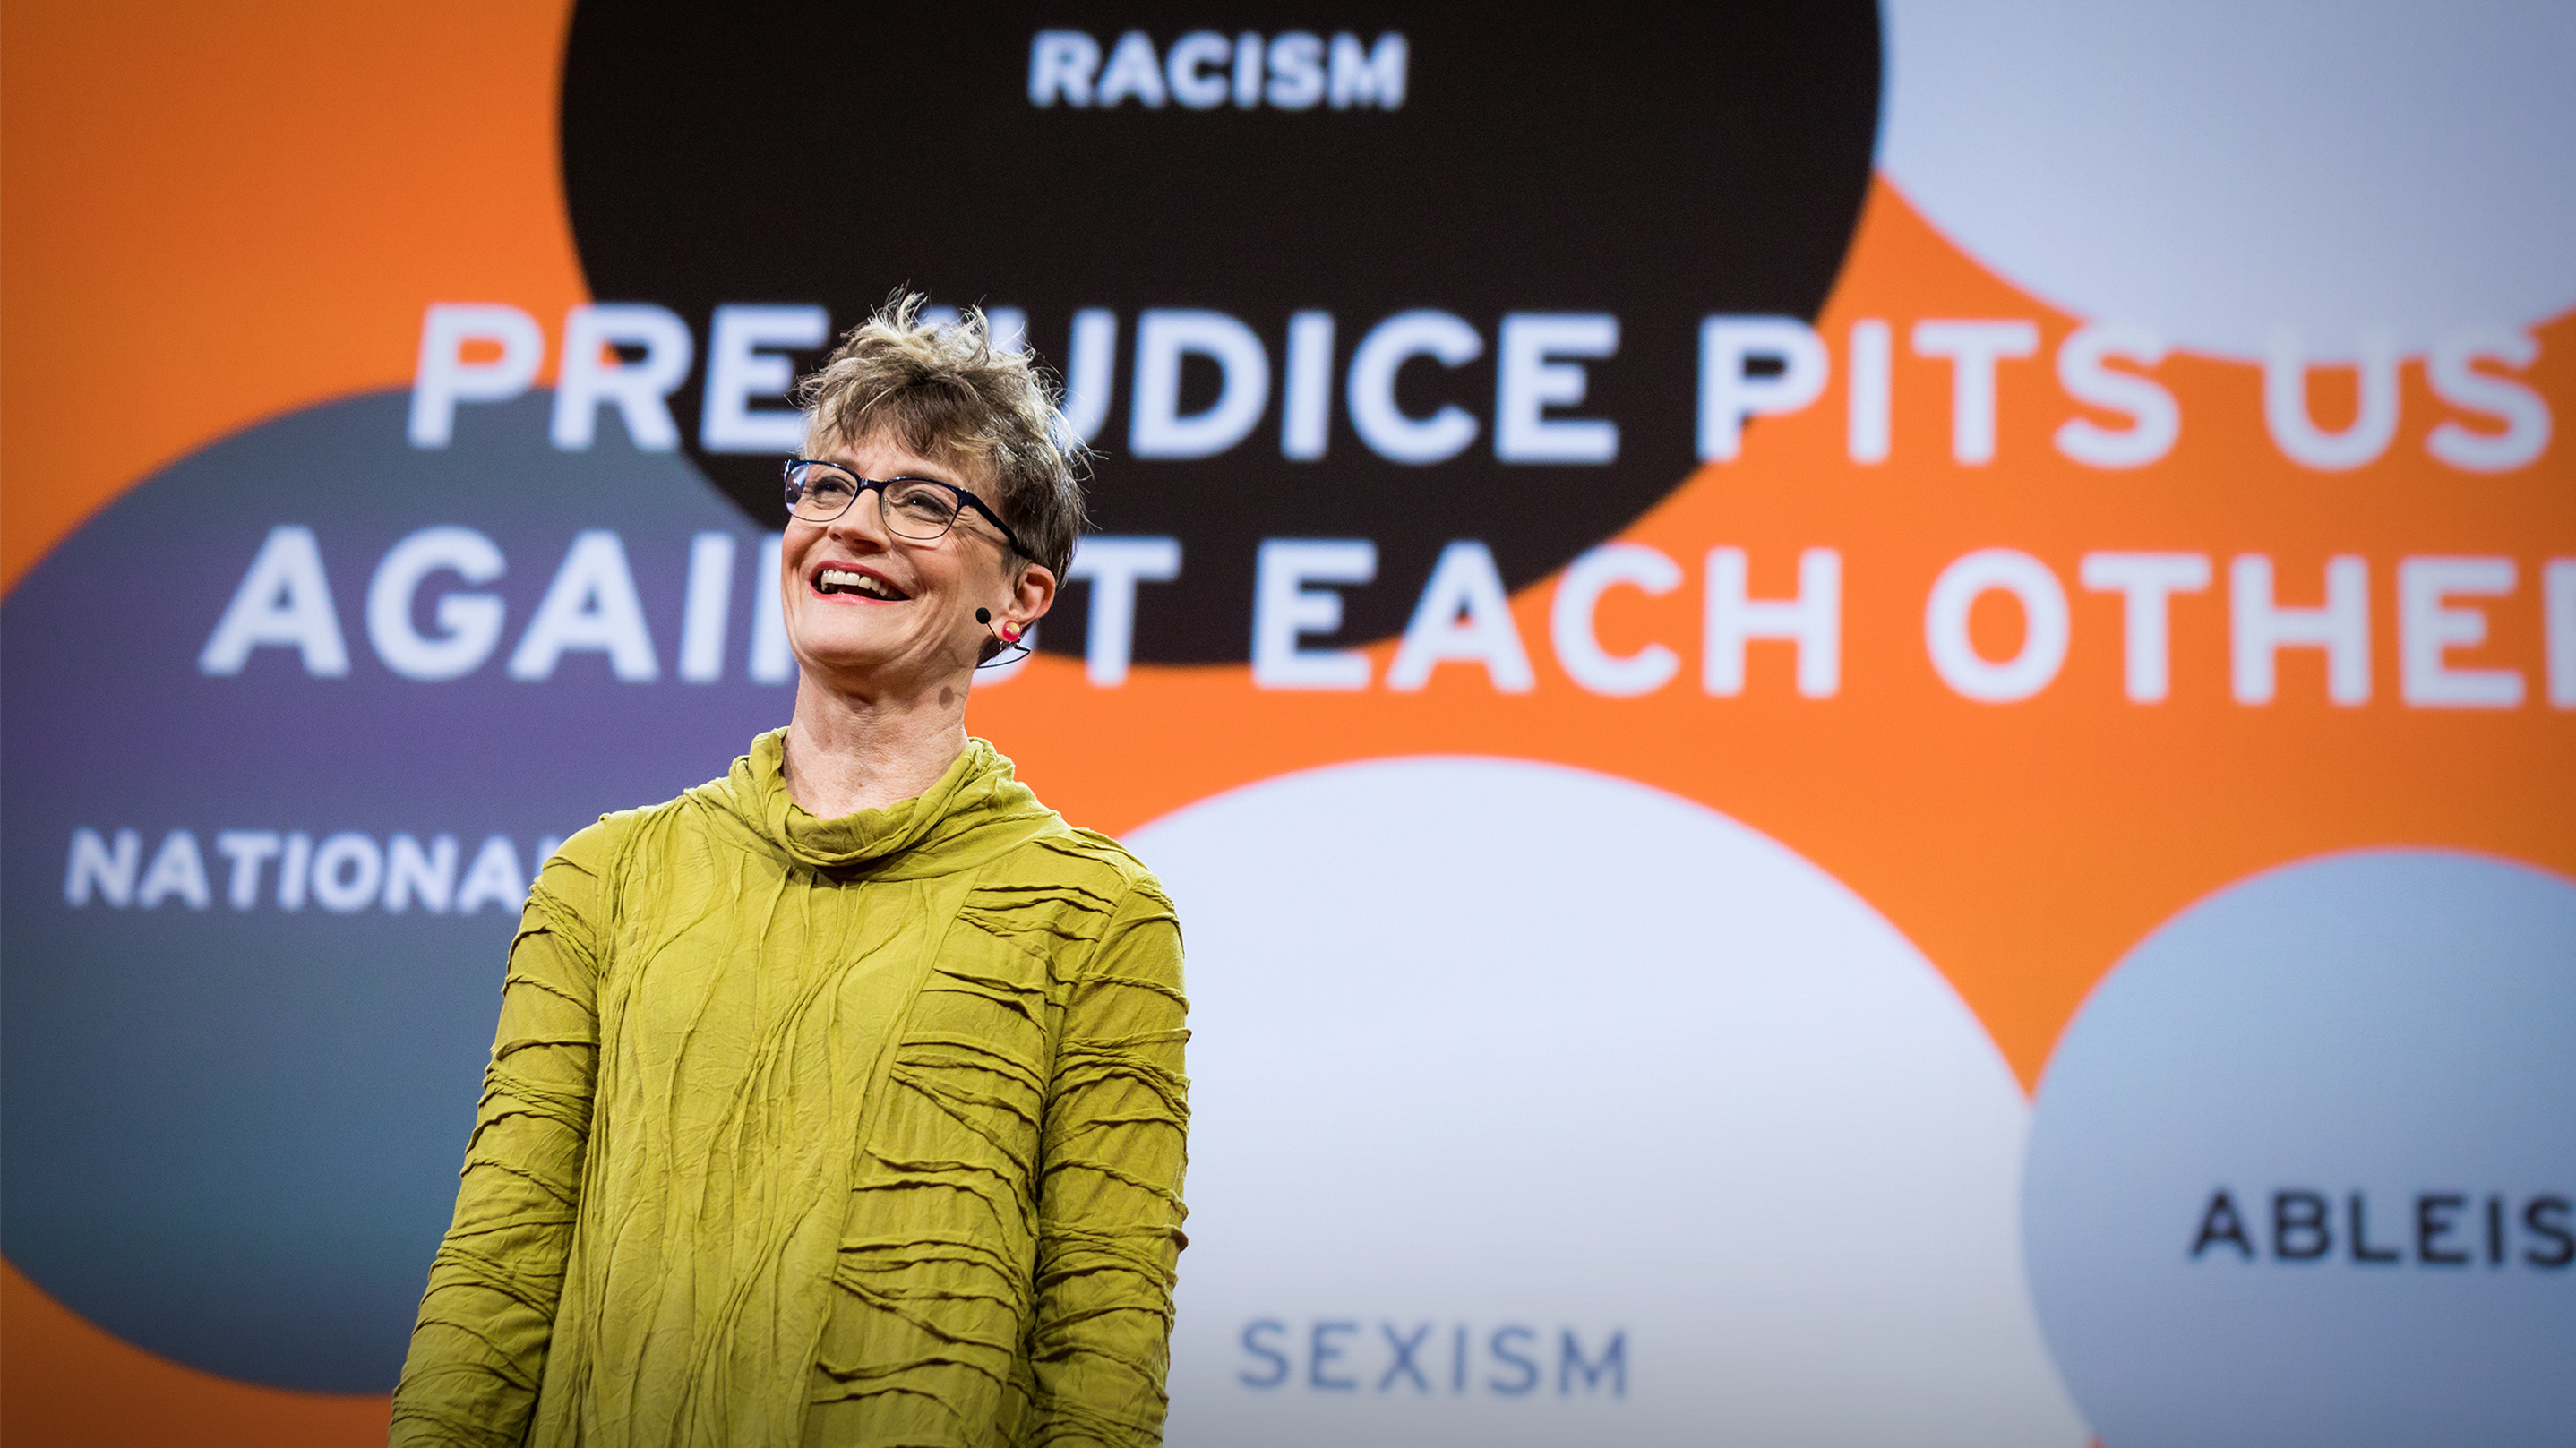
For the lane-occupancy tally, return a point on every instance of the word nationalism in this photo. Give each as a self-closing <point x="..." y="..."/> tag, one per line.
<point x="1426" y="1359"/>
<point x="2443" y="1229"/>
<point x="344" y="873"/>
<point x="630" y="357"/>
<point x="1463" y="616"/>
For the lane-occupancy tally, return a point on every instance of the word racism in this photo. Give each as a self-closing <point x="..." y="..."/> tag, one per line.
<point x="1295" y="70"/>
<point x="1424" y="1359"/>
<point x="630" y="357"/>
<point x="2444" y="1229"/>
<point x="431" y="614"/>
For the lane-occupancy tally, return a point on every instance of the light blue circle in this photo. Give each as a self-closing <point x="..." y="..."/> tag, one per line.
<point x="2379" y="1028"/>
<point x="231" y="1135"/>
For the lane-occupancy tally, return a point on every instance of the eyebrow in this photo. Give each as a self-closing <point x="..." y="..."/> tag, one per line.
<point x="927" y="475"/>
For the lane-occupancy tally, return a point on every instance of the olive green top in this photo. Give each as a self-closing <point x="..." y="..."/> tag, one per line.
<point x="850" y="1131"/>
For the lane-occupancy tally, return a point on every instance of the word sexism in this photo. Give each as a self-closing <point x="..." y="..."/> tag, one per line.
<point x="1749" y="366"/>
<point x="1330" y="1355"/>
<point x="593" y="606"/>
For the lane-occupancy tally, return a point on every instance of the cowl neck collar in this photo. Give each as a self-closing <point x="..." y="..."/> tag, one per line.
<point x="977" y="810"/>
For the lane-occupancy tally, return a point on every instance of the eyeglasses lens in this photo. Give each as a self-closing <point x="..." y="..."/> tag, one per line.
<point x="917" y="510"/>
<point x="819" y="495"/>
<point x="920" y="511"/>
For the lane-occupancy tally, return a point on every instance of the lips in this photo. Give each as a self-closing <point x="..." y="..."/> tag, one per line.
<point x="850" y="580"/>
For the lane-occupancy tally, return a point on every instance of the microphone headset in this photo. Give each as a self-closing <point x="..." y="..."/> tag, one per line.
<point x="1008" y="635"/>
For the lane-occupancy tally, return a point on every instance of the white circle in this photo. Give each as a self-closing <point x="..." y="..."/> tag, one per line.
<point x="2212" y="170"/>
<point x="2302" y="1170"/>
<point x="1485" y="1046"/>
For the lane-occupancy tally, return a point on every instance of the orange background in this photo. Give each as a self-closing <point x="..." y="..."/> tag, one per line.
<point x="209" y="221"/>
<point x="209" y="216"/>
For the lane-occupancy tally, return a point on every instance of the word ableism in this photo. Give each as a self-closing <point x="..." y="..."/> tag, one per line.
<point x="2431" y="1229"/>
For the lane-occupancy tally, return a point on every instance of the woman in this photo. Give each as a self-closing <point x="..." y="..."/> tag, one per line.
<point x="839" y="1100"/>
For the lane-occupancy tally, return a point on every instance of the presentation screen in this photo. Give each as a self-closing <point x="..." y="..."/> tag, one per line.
<point x="1863" y="717"/>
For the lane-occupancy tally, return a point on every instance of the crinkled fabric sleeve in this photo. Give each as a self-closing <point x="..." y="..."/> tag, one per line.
<point x="1109" y="1192"/>
<point x="478" y="1350"/>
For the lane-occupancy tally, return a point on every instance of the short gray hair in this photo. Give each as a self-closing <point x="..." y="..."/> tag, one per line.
<point x="945" y="391"/>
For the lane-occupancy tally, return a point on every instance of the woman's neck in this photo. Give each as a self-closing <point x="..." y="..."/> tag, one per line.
<point x="847" y="753"/>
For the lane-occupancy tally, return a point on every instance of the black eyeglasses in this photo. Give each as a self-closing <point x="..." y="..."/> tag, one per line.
<point x="919" y="510"/>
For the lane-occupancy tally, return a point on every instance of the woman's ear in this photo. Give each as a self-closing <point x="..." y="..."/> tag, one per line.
<point x="1032" y="594"/>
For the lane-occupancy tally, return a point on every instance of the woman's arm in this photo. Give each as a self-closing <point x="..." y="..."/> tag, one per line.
<point x="1109" y="1193"/>
<point x="479" y="1348"/>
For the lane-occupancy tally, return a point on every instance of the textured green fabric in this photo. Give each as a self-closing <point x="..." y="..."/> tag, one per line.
<point x="814" y="1131"/>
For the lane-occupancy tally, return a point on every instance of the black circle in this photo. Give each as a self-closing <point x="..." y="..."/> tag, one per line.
<point x="1656" y="165"/>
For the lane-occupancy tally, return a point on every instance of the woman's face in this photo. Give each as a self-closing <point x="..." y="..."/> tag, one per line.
<point x="872" y="613"/>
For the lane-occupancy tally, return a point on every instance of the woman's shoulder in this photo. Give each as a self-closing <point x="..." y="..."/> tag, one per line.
<point x="1070" y="855"/>
<point x="1093" y="853"/>
<point x="590" y="862"/>
<point x="619" y="833"/>
<point x="1080" y="900"/>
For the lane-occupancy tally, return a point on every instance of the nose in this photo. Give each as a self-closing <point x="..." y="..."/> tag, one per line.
<point x="861" y="522"/>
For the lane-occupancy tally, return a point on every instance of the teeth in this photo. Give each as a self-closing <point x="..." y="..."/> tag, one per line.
<point x="842" y="580"/>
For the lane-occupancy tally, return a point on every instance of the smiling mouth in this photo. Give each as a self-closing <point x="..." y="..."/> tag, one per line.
<point x="865" y="585"/>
